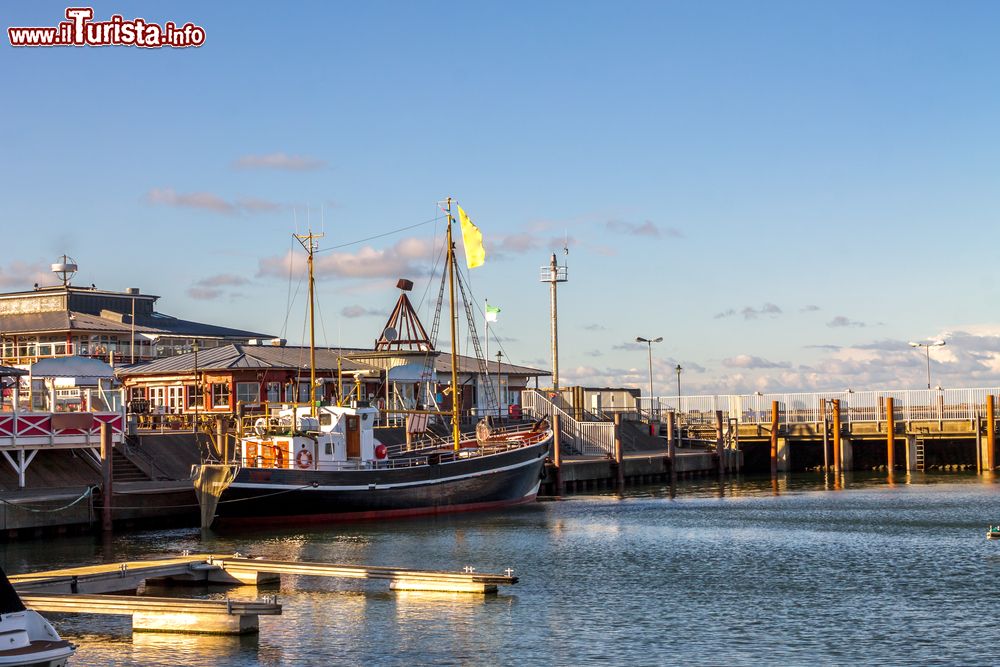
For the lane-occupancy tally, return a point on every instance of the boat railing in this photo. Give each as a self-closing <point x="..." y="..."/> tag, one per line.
<point x="433" y="441"/>
<point x="271" y="457"/>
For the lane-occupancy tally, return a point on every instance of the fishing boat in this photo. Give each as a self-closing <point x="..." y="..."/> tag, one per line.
<point x="993" y="533"/>
<point x="27" y="639"/>
<point x="318" y="462"/>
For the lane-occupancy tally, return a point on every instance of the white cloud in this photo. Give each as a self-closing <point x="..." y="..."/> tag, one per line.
<point x="19" y="274"/>
<point x="279" y="161"/>
<point x="409" y="257"/>
<point x="208" y="201"/>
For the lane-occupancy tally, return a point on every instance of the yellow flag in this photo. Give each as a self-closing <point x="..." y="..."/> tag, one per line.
<point x="472" y="239"/>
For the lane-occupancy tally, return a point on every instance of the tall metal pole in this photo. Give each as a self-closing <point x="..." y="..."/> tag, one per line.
<point x="927" y="349"/>
<point x="455" y="432"/>
<point x="649" y="344"/>
<point x="499" y="411"/>
<point x="678" y="370"/>
<point x="131" y="345"/>
<point x="553" y="316"/>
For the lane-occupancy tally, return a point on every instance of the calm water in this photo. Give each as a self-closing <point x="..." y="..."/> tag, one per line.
<point x="871" y="574"/>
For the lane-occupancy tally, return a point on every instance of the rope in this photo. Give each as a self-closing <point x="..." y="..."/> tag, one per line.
<point x="26" y="508"/>
<point x="234" y="500"/>
<point x="378" y="236"/>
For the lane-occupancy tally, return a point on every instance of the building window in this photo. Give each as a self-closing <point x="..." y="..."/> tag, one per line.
<point x="220" y="395"/>
<point x="248" y="392"/>
<point x="273" y="392"/>
<point x="157" y="397"/>
<point x="195" y="398"/>
<point x="136" y="393"/>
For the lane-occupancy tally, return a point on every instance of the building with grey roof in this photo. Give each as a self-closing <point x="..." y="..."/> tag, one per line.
<point x="124" y="326"/>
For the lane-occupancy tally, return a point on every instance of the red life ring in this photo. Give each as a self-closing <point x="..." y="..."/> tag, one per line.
<point x="304" y="459"/>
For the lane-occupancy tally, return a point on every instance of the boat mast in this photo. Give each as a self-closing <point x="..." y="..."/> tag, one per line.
<point x="308" y="242"/>
<point x="456" y="433"/>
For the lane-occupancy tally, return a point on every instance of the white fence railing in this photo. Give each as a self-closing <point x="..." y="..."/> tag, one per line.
<point x="855" y="406"/>
<point x="588" y="438"/>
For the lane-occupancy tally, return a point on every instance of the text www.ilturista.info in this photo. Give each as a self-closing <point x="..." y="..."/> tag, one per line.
<point x="80" y="30"/>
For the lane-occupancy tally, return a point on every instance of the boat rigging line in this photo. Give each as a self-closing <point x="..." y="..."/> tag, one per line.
<point x="378" y="236"/>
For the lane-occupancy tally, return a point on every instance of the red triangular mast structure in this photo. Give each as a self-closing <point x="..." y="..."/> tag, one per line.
<point x="403" y="330"/>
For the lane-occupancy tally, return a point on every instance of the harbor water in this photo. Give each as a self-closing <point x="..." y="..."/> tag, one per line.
<point x="735" y="573"/>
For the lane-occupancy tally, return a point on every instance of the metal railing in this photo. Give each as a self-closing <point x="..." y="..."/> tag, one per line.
<point x="590" y="438"/>
<point x="855" y="406"/>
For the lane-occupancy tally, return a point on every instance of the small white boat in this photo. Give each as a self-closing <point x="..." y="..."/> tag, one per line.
<point x="27" y="639"/>
<point x="993" y="533"/>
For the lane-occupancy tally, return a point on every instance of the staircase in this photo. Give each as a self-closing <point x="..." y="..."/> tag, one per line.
<point x="636" y="438"/>
<point x="589" y="438"/>
<point x="123" y="470"/>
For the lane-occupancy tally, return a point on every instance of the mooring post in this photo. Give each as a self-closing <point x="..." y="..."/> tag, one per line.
<point x="826" y="435"/>
<point x="890" y="435"/>
<point x="672" y="444"/>
<point x="979" y="442"/>
<point x="991" y="433"/>
<point x="719" y="449"/>
<point x="557" y="453"/>
<point x="774" y="438"/>
<point x="836" y="437"/>
<point x="619" y="458"/>
<point x="221" y="440"/>
<point x="106" y="469"/>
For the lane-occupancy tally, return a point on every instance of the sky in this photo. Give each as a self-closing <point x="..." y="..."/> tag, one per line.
<point x="788" y="193"/>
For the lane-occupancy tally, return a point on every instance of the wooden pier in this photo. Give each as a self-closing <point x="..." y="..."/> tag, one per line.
<point x="88" y="589"/>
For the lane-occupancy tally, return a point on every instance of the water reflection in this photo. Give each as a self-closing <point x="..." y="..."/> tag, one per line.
<point x="738" y="559"/>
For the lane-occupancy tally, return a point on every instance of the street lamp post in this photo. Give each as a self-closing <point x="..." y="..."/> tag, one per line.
<point x="649" y="344"/>
<point x="678" y="370"/>
<point x="927" y="354"/>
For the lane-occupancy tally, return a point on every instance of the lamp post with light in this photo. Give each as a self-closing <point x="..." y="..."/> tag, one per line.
<point x="649" y="344"/>
<point x="927" y="353"/>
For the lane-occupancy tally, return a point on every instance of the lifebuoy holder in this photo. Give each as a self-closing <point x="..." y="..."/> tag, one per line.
<point x="304" y="459"/>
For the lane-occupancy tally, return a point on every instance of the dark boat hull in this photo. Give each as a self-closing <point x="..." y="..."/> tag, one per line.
<point x="483" y="482"/>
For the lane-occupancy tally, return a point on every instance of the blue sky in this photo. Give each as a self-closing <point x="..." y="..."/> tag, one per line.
<point x="787" y="192"/>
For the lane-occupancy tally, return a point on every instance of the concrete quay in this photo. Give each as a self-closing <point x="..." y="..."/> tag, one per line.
<point x="588" y="473"/>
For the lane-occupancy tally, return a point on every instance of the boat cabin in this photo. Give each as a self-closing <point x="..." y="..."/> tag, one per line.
<point x="336" y="438"/>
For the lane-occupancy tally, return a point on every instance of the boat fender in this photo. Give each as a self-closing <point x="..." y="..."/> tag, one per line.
<point x="304" y="459"/>
<point x="381" y="451"/>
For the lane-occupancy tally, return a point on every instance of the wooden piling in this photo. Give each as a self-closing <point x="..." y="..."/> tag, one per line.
<point x="836" y="437"/>
<point x="774" y="438"/>
<point x="890" y="435"/>
<point x="619" y="464"/>
<point x="107" y="459"/>
<point x="221" y="439"/>
<point x="979" y="443"/>
<point x="991" y="433"/>
<point x="672" y="445"/>
<point x="557" y="453"/>
<point x="719" y="444"/>
<point x="826" y="435"/>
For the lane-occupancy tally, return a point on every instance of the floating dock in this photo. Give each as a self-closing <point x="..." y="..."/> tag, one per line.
<point x="89" y="589"/>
